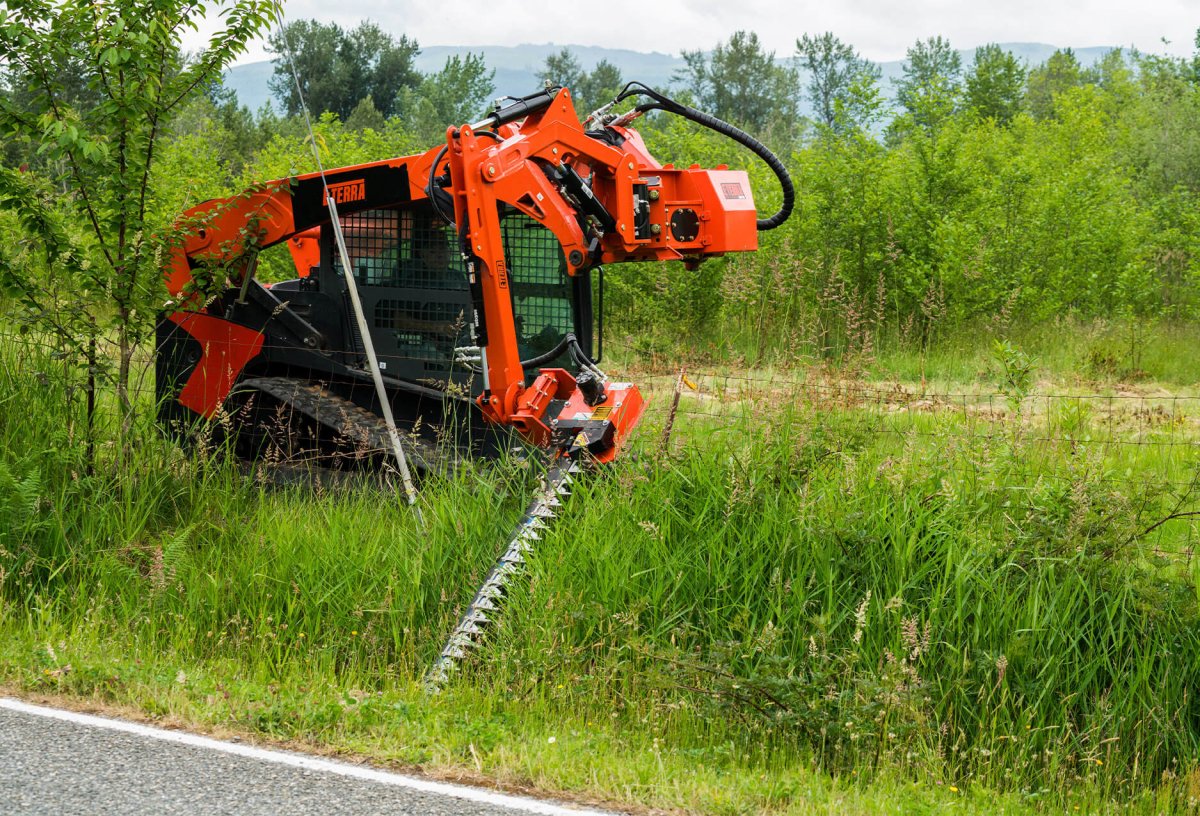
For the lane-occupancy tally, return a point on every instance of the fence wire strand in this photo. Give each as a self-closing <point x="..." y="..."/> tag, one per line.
<point x="734" y="401"/>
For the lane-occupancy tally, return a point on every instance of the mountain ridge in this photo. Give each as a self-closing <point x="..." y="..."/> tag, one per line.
<point x="516" y="66"/>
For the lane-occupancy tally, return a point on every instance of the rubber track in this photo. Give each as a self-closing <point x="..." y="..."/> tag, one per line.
<point x="365" y="430"/>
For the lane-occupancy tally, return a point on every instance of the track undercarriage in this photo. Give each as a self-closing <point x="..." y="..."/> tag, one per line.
<point x="300" y="423"/>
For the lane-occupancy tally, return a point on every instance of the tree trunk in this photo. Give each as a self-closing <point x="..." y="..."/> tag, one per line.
<point x="125" y="349"/>
<point x="90" y="451"/>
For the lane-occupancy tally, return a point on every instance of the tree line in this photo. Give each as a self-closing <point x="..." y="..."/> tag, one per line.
<point x="367" y="75"/>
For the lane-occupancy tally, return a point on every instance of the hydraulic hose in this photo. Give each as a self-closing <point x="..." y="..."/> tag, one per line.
<point x="433" y="190"/>
<point x="569" y="341"/>
<point x="740" y="136"/>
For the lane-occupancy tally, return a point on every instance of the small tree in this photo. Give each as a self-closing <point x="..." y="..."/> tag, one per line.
<point x="104" y="229"/>
<point x="590" y="89"/>
<point x="1061" y="72"/>
<point x="563" y="69"/>
<point x="834" y="70"/>
<point x="455" y="95"/>
<point x="741" y="83"/>
<point x="1193" y="65"/>
<point x="598" y="87"/>
<point x="366" y="116"/>
<point x="995" y="84"/>
<point x="338" y="68"/>
<point x="931" y="87"/>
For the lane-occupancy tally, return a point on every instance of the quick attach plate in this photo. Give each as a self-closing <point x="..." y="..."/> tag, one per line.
<point x="593" y="435"/>
<point x="601" y="429"/>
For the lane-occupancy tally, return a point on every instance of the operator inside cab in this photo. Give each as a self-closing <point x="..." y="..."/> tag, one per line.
<point x="432" y="248"/>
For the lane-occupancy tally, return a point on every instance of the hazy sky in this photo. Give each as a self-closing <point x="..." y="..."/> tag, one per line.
<point x="880" y="29"/>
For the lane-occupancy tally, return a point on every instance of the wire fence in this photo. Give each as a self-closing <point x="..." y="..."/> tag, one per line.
<point x="1133" y="447"/>
<point x="1118" y="419"/>
<point x="1128" y="438"/>
<point x="1155" y="433"/>
<point x="1134" y="433"/>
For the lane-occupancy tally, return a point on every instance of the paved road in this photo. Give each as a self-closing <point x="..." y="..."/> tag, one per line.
<point x="55" y="762"/>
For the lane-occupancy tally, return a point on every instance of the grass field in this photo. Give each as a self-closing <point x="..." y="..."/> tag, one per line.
<point x="905" y="585"/>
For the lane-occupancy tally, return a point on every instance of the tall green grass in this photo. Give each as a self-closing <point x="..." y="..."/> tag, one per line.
<point x="789" y="600"/>
<point x="851" y="608"/>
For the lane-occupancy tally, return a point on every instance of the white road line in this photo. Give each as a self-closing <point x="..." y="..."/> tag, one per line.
<point x="311" y="763"/>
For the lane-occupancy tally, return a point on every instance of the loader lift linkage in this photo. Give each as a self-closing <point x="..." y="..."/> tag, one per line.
<point x="474" y="263"/>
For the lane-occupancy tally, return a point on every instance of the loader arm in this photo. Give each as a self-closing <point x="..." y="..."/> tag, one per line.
<point x="607" y="201"/>
<point x="226" y="233"/>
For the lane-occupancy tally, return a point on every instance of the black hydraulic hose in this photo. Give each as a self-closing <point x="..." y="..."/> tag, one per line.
<point x="553" y="353"/>
<point x="582" y="361"/>
<point x="760" y="150"/>
<point x="740" y="136"/>
<point x="431" y="188"/>
<point x="569" y="342"/>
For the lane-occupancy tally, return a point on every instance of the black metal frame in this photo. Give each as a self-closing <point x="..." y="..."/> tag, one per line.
<point x="418" y="314"/>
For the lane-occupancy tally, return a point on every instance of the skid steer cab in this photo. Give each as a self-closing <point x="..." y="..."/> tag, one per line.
<point x="476" y="263"/>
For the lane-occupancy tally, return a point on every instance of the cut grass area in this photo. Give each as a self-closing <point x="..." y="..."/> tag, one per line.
<point x="1095" y="354"/>
<point x="1070" y="356"/>
<point x="806" y="605"/>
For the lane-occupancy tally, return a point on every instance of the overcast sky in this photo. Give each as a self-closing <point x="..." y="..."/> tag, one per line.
<point x="881" y="30"/>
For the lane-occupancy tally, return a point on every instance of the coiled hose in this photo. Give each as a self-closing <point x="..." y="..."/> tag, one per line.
<point x="662" y="102"/>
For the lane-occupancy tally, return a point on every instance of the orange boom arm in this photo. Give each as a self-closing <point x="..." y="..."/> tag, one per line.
<point x="637" y="210"/>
